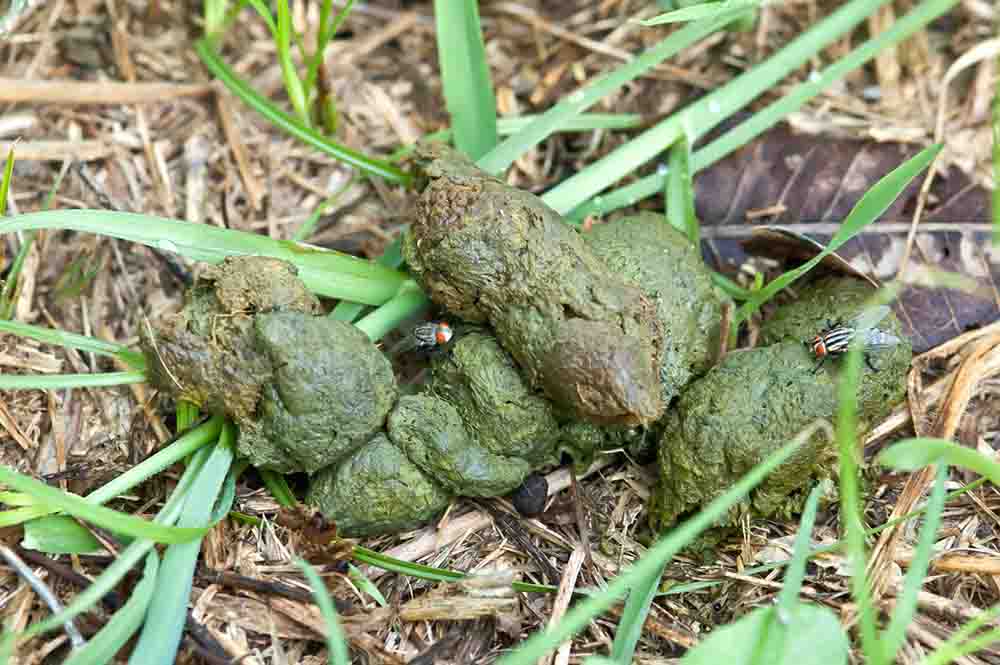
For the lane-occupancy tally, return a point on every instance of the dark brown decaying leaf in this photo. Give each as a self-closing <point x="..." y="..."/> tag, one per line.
<point x="811" y="184"/>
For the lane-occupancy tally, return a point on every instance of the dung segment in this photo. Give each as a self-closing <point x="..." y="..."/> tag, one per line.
<point x="488" y="252"/>
<point x="432" y="435"/>
<point x="730" y="420"/>
<point x="757" y="400"/>
<point x="377" y="489"/>
<point x="204" y="354"/>
<point x="330" y="391"/>
<point x="303" y="389"/>
<point x="500" y="411"/>
<point x="834" y="300"/>
<point x="650" y="253"/>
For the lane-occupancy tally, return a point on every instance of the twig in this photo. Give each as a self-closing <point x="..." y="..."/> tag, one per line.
<point x="581" y="520"/>
<point x="87" y="150"/>
<point x="563" y="598"/>
<point x="234" y="581"/>
<point x="254" y="190"/>
<point x="983" y="361"/>
<point x="76" y="93"/>
<point x="430" y="540"/>
<point x="43" y="591"/>
<point x="200" y="638"/>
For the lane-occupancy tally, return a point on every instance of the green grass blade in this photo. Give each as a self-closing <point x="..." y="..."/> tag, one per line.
<point x="214" y="17"/>
<point x="227" y="495"/>
<point x="283" y="43"/>
<point x="509" y="125"/>
<point x="698" y="118"/>
<point x="801" y="93"/>
<point x="420" y="571"/>
<point x="559" y="116"/>
<point x="733" y="8"/>
<point x="770" y="116"/>
<point x="916" y="453"/>
<point x="956" y="646"/>
<point x="583" y="612"/>
<point x="788" y="598"/>
<point x="680" y="192"/>
<point x="640" y="599"/>
<point x="952" y="655"/>
<point x="102" y="647"/>
<point x="161" y="633"/>
<point x="875" y="201"/>
<point x="8" y="294"/>
<point x="465" y="77"/>
<point x="730" y="288"/>
<point x="60" y="381"/>
<point x="8" y="176"/>
<point x="392" y="257"/>
<point x="851" y="508"/>
<point x="17" y="499"/>
<point x="128" y="557"/>
<point x="306" y="229"/>
<point x="832" y="547"/>
<point x="105" y="583"/>
<point x="336" y="640"/>
<point x="22" y="515"/>
<point x="278" y="487"/>
<point x="584" y="122"/>
<point x="187" y="416"/>
<point x="10" y="283"/>
<point x="323" y="36"/>
<point x="286" y="123"/>
<point x="410" y="302"/>
<point x="775" y="635"/>
<point x="365" y="585"/>
<point x="326" y="32"/>
<point x="59" y="534"/>
<point x="265" y="13"/>
<point x="906" y="603"/>
<point x="379" y="560"/>
<point x="97" y="515"/>
<point x="7" y="644"/>
<point x="186" y="444"/>
<point x="325" y="272"/>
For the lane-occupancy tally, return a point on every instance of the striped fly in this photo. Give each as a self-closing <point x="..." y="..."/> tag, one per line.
<point x="432" y="334"/>
<point x="427" y="337"/>
<point x="837" y="337"/>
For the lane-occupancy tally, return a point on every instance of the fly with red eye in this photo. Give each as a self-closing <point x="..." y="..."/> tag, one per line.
<point x="433" y="334"/>
<point x="425" y="338"/>
<point x="836" y="339"/>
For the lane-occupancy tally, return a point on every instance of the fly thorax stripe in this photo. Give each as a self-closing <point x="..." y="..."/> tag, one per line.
<point x="838" y="339"/>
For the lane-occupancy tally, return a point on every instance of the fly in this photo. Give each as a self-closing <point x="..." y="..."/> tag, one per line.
<point x="432" y="334"/>
<point x="425" y="337"/>
<point x="837" y="337"/>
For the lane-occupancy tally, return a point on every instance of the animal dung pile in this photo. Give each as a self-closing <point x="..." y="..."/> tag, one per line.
<point x="570" y="342"/>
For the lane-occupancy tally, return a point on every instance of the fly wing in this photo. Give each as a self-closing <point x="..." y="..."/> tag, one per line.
<point x="405" y="345"/>
<point x="870" y="318"/>
<point x="880" y="339"/>
<point x="421" y="336"/>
